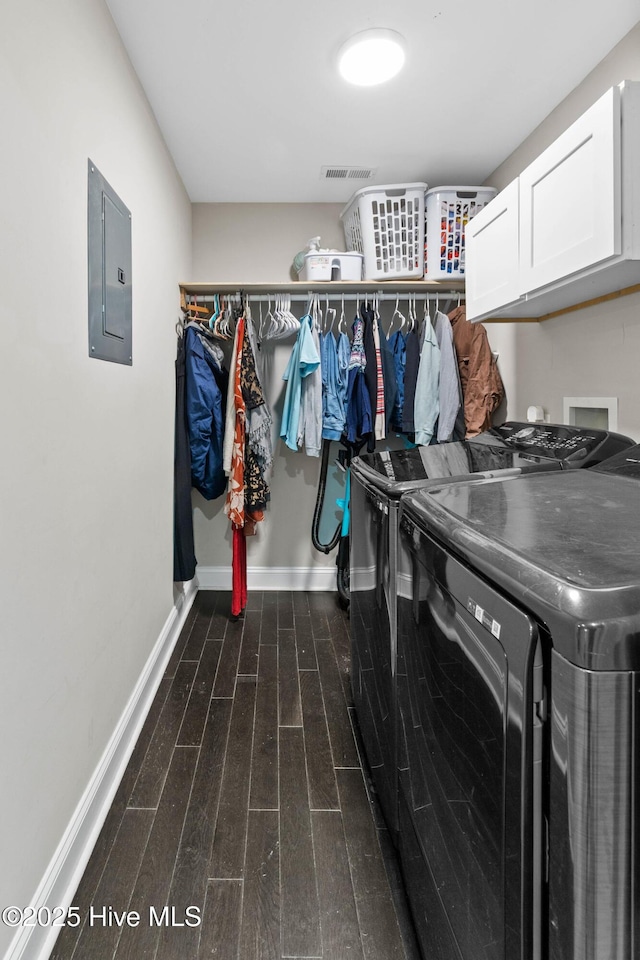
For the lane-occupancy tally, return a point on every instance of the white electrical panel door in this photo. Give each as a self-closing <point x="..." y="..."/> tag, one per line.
<point x="491" y="240"/>
<point x="570" y="214"/>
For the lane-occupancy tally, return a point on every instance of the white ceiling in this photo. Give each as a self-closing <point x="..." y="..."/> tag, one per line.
<point x="251" y="106"/>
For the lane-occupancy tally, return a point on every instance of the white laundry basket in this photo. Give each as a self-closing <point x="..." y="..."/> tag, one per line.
<point x="386" y="224"/>
<point x="448" y="210"/>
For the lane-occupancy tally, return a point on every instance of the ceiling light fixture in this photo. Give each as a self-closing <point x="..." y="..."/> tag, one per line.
<point x="371" y="57"/>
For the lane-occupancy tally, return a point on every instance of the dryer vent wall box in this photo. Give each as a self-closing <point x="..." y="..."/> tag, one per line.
<point x="109" y="241"/>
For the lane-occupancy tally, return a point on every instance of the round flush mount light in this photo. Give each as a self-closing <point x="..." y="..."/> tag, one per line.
<point x="371" y="57"/>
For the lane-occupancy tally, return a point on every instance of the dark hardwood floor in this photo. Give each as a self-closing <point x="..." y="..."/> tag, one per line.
<point x="245" y="805"/>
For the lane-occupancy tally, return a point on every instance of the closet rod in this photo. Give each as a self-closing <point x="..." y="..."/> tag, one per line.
<point x="347" y="297"/>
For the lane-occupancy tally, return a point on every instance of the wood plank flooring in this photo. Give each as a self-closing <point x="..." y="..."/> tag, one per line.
<point x="245" y="805"/>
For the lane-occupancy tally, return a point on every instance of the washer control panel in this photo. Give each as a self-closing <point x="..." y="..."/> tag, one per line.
<point x="575" y="446"/>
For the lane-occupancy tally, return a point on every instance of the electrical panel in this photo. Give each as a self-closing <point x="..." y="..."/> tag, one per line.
<point x="109" y="244"/>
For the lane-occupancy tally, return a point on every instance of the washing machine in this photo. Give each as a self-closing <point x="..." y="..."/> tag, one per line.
<point x="519" y="697"/>
<point x="378" y="480"/>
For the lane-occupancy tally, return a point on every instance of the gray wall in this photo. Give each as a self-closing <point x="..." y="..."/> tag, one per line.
<point x="592" y="352"/>
<point x="238" y="242"/>
<point x="256" y="242"/>
<point x="87" y="446"/>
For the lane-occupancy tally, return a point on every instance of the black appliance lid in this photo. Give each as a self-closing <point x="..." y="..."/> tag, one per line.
<point x="399" y="471"/>
<point x="565" y="544"/>
<point x="625" y="464"/>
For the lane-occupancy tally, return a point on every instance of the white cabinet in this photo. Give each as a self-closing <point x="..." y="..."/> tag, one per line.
<point x="570" y="199"/>
<point x="492" y="270"/>
<point x="578" y="219"/>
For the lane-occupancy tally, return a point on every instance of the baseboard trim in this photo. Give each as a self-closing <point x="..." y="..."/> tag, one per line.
<point x="271" y="578"/>
<point x="65" y="870"/>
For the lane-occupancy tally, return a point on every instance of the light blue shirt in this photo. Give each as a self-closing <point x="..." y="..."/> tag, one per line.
<point x="304" y="360"/>
<point x="426" y="404"/>
<point x="450" y="389"/>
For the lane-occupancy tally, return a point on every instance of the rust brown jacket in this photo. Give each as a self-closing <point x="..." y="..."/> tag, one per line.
<point x="482" y="387"/>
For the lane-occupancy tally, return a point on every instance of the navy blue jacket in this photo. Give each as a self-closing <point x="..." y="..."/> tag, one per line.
<point x="206" y="403"/>
<point x="360" y="420"/>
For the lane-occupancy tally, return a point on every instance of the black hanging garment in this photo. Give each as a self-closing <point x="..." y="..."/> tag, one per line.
<point x="184" y="558"/>
<point x="370" y="371"/>
<point x="412" y="362"/>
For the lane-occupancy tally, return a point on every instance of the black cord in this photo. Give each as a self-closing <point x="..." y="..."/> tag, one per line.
<point x="322" y="484"/>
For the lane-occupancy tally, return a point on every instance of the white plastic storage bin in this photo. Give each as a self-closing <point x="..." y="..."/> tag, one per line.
<point x="331" y="266"/>
<point x="449" y="209"/>
<point x="386" y="224"/>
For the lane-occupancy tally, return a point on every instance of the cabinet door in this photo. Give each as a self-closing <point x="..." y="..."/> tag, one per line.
<point x="570" y="215"/>
<point x="491" y="240"/>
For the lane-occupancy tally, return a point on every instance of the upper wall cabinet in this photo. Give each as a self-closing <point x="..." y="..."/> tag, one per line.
<point x="578" y="224"/>
<point x="492" y="273"/>
<point x="570" y="199"/>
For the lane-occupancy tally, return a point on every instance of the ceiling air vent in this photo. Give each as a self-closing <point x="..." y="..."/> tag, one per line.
<point x="347" y="173"/>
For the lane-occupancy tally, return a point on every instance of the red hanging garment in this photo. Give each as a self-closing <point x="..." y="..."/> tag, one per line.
<point x="239" y="572"/>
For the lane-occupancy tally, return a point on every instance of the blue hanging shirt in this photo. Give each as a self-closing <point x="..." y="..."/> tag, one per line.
<point x="397" y="347"/>
<point x="304" y="360"/>
<point x="335" y="363"/>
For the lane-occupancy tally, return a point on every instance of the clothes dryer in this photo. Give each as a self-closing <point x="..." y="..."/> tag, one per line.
<point x="518" y="696"/>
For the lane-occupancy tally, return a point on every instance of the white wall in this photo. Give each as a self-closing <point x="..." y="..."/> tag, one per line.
<point x="591" y="352"/>
<point x="87" y="446"/>
<point x="238" y="242"/>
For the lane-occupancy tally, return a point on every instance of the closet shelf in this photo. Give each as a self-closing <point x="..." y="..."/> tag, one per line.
<point x="404" y="287"/>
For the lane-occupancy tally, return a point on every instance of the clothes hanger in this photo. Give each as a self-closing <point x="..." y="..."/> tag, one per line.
<point x="376" y="307"/>
<point x="292" y="321"/>
<point x="396" y="313"/>
<point x="194" y="311"/>
<point x="225" y="324"/>
<point x="220" y="326"/>
<point x="268" y="321"/>
<point x="343" y="319"/>
<point x="216" y="311"/>
<point x="276" y="321"/>
<point x="426" y="316"/>
<point x="194" y="307"/>
<point x="286" y="320"/>
<point x="333" y="312"/>
<point x="265" y="322"/>
<point x="282" y="320"/>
